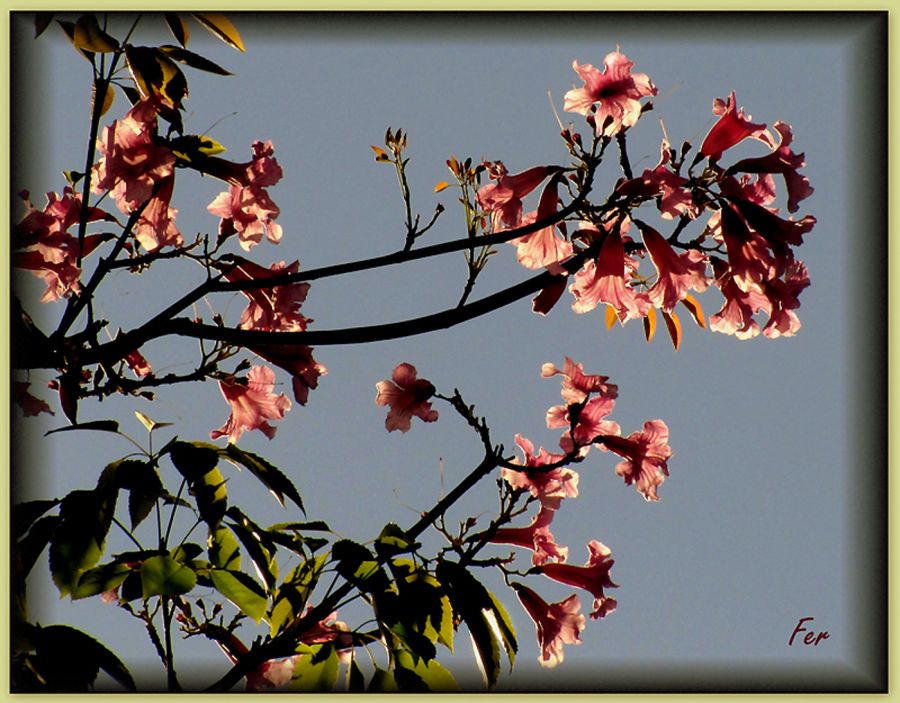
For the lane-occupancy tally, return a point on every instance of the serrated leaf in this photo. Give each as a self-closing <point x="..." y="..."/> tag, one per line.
<point x="223" y="549"/>
<point x="316" y="669"/>
<point x="189" y="58"/>
<point x="222" y="27"/>
<point x="611" y="317"/>
<point x="177" y="26"/>
<point x="193" y="459"/>
<point x="695" y="309"/>
<point x="88" y="36"/>
<point x="650" y="324"/>
<point x="212" y="497"/>
<point x="268" y="474"/>
<point x="78" y="542"/>
<point x="441" y="186"/>
<point x="164" y="576"/>
<point x="25" y="514"/>
<point x="257" y="544"/>
<point x="241" y="590"/>
<point x="393" y="540"/>
<point x="673" y="325"/>
<point x="359" y="566"/>
<point x="312" y="526"/>
<point x="69" y="660"/>
<point x="432" y="675"/>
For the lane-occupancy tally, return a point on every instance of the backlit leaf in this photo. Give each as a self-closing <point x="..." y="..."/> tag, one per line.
<point x="267" y="473"/>
<point x="88" y="36"/>
<point x="164" y="576"/>
<point x="317" y="669"/>
<point x="223" y="549"/>
<point x="189" y="58"/>
<point x="222" y="27"/>
<point x="177" y="26"/>
<point x="69" y="660"/>
<point x="694" y="307"/>
<point x="241" y="590"/>
<point x="100" y="579"/>
<point x="673" y="325"/>
<point x="650" y="324"/>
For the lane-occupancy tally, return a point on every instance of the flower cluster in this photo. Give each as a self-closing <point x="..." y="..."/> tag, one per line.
<point x="587" y="401"/>
<point x="745" y="248"/>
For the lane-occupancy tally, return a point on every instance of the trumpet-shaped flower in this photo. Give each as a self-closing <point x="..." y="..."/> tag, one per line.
<point x="732" y="127"/>
<point x="252" y="404"/>
<point x="646" y="454"/>
<point x="503" y="199"/>
<point x="407" y="396"/>
<point x="536" y="536"/>
<point x="548" y="486"/>
<point x="249" y="212"/>
<point x="556" y="623"/>
<point x="615" y="91"/>
<point x="592" y="577"/>
<point x="590" y="423"/>
<point x="542" y="248"/>
<point x="577" y="385"/>
<point x="676" y="273"/>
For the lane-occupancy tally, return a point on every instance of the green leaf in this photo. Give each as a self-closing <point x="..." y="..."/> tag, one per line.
<point x="187" y="552"/>
<point x="316" y="669"/>
<point x="149" y="422"/>
<point x="193" y="459"/>
<point x="100" y="580"/>
<point x="144" y="487"/>
<point x="270" y="476"/>
<point x="421" y="675"/>
<point x="507" y="632"/>
<point x="163" y="576"/>
<point x="193" y="60"/>
<point x="195" y="147"/>
<point x="88" y="36"/>
<point x="224" y="550"/>
<point x="257" y="544"/>
<point x="211" y="496"/>
<point x="178" y="27"/>
<point x="382" y="682"/>
<point x="69" y="660"/>
<point x="241" y="590"/>
<point x="359" y="566"/>
<point x="393" y="540"/>
<point x="315" y="525"/>
<point x="292" y="596"/>
<point x="78" y="542"/>
<point x="25" y="514"/>
<point x="222" y="27"/>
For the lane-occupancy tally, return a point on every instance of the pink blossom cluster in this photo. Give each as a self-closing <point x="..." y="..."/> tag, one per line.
<point x="588" y="399"/>
<point x="751" y="256"/>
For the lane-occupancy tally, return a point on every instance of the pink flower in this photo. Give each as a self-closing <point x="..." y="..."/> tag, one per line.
<point x="784" y="161"/>
<point x="590" y="423"/>
<point x="732" y="127"/>
<point x="676" y="273"/>
<point x="673" y="199"/>
<point x="536" y="536"/>
<point x="556" y="623"/>
<point x="549" y="486"/>
<point x="62" y="277"/>
<point x="616" y="90"/>
<point x="277" y="309"/>
<point x="748" y="254"/>
<point x="646" y="454"/>
<point x="252" y="404"/>
<point x="155" y="227"/>
<point x="263" y="170"/>
<point x="577" y="385"/>
<point x="249" y="211"/>
<point x="604" y="282"/>
<point x="592" y="577"/>
<point x="407" y="396"/>
<point x="542" y="248"/>
<point x="503" y="199"/>
<point x="132" y="162"/>
<point x="782" y="295"/>
<point x="30" y="405"/>
<point x="736" y="315"/>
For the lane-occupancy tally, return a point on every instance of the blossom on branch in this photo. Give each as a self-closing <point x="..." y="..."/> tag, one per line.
<point x="646" y="454"/>
<point x="407" y="396"/>
<point x="548" y="486"/>
<point x="503" y="199"/>
<point x="732" y="128"/>
<point x="676" y="273"/>
<point x="252" y="404"/>
<point x="556" y="623"/>
<point x="536" y="536"/>
<point x="615" y="91"/>
<point x="543" y="248"/>
<point x="592" y="577"/>
<point x="577" y="385"/>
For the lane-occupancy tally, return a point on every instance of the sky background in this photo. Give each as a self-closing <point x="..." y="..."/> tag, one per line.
<point x="758" y="524"/>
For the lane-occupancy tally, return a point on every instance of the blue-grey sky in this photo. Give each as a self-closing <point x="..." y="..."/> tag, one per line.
<point x="754" y="527"/>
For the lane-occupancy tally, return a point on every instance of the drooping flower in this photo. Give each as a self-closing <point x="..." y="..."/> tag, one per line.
<point x="548" y="486"/>
<point x="664" y="184"/>
<point x="132" y="161"/>
<point x="543" y="248"/>
<point x="590" y="423"/>
<point x="577" y="385"/>
<point x="536" y="536"/>
<point x="782" y="295"/>
<point x="592" y="577"/>
<point x="604" y="281"/>
<point x="155" y="227"/>
<point x="732" y="127"/>
<point x="676" y="273"/>
<point x="736" y="315"/>
<point x="503" y="198"/>
<point x="784" y="161"/>
<point x="556" y="623"/>
<point x="646" y="455"/>
<point x="252" y="404"/>
<point x="615" y="91"/>
<point x="406" y="395"/>
<point x="749" y="257"/>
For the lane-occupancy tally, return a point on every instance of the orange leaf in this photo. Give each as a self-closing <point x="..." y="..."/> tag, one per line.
<point x="693" y="306"/>
<point x="673" y="325"/>
<point x="611" y="317"/>
<point x="440" y="186"/>
<point x="650" y="324"/>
